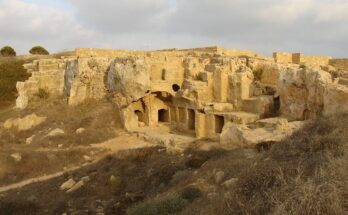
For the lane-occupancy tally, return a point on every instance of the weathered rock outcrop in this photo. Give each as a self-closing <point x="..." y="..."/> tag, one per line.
<point x="46" y="74"/>
<point x="336" y="99"/>
<point x="129" y="79"/>
<point x="210" y="92"/>
<point x="269" y="130"/>
<point x="301" y="92"/>
<point x="87" y="79"/>
<point x="24" y="123"/>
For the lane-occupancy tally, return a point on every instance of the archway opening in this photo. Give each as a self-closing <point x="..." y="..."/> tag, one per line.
<point x="219" y="124"/>
<point x="163" y="115"/>
<point x="191" y="119"/>
<point x="140" y="116"/>
<point x="306" y="114"/>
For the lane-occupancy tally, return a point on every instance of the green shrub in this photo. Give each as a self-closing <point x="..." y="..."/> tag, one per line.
<point x="43" y="93"/>
<point x="168" y="205"/>
<point x="39" y="50"/>
<point x="190" y="193"/>
<point x="303" y="66"/>
<point x="258" y="74"/>
<point x="7" y="51"/>
<point x="11" y="71"/>
<point x="115" y="182"/>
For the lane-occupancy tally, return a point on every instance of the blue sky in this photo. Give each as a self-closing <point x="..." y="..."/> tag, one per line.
<point x="316" y="27"/>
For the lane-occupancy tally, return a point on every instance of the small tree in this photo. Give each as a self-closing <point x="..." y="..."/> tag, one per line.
<point x="39" y="50"/>
<point x="7" y="51"/>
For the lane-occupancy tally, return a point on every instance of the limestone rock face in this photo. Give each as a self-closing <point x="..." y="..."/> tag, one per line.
<point x="23" y="99"/>
<point x="129" y="78"/>
<point x="25" y="123"/>
<point x="46" y="74"/>
<point x="269" y="71"/>
<point x="301" y="92"/>
<point x="239" y="136"/>
<point x="88" y="80"/>
<point x="336" y="99"/>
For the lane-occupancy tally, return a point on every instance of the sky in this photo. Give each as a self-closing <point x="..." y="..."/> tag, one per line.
<point x="313" y="27"/>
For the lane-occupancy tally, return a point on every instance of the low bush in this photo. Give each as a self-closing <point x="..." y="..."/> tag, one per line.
<point x="190" y="193"/>
<point x="115" y="182"/>
<point x="303" y="66"/>
<point x="18" y="208"/>
<point x="43" y="93"/>
<point x="167" y="205"/>
<point x="196" y="161"/>
<point x="258" y="74"/>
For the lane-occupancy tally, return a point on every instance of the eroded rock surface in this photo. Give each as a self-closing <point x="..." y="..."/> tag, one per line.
<point x="231" y="96"/>
<point x="301" y="92"/>
<point x="25" y="123"/>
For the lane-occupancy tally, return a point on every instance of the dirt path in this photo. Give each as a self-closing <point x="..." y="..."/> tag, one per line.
<point x="124" y="141"/>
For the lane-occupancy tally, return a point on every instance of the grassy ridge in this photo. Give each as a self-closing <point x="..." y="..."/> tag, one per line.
<point x="304" y="174"/>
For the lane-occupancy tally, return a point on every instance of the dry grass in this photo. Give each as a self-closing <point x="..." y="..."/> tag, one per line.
<point x="305" y="174"/>
<point x="45" y="154"/>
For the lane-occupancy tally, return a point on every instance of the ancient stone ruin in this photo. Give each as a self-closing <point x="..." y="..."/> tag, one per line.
<point x="239" y="98"/>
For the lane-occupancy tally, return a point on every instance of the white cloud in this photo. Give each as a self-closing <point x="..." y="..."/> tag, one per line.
<point x="24" y="25"/>
<point x="285" y="11"/>
<point x="332" y="11"/>
<point x="112" y="16"/>
<point x="310" y="26"/>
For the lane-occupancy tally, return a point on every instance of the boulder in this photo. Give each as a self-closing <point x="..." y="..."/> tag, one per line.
<point x="278" y="123"/>
<point x="87" y="158"/>
<point x="29" y="140"/>
<point x="23" y="99"/>
<point x="68" y="184"/>
<point x="56" y="132"/>
<point x="80" y="130"/>
<point x="25" y="123"/>
<point x="336" y="99"/>
<point x="76" y="186"/>
<point x="17" y="157"/>
<point x="219" y="177"/>
<point x="129" y="78"/>
<point x="230" y="182"/>
<point x="85" y="179"/>
<point x="239" y="136"/>
<point x="301" y="92"/>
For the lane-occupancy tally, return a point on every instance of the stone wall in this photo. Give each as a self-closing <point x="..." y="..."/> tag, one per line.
<point x="46" y="75"/>
<point x="299" y="58"/>
<point x="110" y="53"/>
<point x="282" y="57"/>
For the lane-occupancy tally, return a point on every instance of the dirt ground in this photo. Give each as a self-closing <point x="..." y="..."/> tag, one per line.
<point x="143" y="171"/>
<point x="143" y="174"/>
<point x="46" y="155"/>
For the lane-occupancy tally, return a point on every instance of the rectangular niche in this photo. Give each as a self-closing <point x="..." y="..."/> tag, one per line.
<point x="219" y="123"/>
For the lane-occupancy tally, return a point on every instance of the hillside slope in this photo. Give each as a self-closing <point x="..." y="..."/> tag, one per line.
<point x="305" y="174"/>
